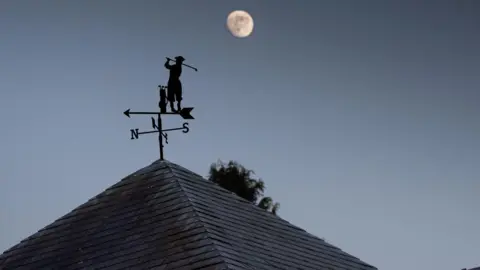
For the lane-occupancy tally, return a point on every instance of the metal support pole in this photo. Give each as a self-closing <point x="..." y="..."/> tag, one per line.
<point x="162" y="106"/>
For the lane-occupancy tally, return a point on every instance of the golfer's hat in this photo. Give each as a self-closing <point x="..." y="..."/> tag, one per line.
<point x="179" y="58"/>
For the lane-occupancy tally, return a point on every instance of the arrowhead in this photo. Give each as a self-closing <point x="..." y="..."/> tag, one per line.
<point x="185" y="113"/>
<point x="127" y="113"/>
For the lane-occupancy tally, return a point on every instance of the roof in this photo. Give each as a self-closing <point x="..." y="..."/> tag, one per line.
<point x="167" y="217"/>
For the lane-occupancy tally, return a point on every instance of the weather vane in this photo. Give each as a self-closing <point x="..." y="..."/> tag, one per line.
<point x="168" y="94"/>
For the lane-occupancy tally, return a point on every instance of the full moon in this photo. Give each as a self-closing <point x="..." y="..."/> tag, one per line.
<point x="240" y="23"/>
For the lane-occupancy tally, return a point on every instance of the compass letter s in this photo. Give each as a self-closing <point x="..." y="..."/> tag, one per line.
<point x="185" y="128"/>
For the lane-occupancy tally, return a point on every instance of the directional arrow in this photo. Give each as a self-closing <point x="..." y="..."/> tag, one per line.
<point x="128" y="112"/>
<point x="184" y="113"/>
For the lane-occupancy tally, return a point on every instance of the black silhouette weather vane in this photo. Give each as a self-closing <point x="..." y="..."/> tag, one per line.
<point x="170" y="93"/>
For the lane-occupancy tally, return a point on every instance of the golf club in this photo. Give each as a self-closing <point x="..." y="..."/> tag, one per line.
<point x="182" y="64"/>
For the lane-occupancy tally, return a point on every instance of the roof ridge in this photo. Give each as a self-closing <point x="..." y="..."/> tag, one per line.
<point x="88" y="203"/>
<point x="176" y="177"/>
<point x="180" y="169"/>
<point x="223" y="255"/>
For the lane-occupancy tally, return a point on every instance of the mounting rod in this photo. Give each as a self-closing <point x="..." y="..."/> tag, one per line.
<point x="160" y="135"/>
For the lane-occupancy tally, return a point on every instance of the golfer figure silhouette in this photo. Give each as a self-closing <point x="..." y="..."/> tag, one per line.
<point x="174" y="87"/>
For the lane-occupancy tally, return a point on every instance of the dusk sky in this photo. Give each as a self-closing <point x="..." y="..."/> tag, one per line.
<point x="360" y="116"/>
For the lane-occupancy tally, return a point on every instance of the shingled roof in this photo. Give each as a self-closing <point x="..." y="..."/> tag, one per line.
<point x="167" y="217"/>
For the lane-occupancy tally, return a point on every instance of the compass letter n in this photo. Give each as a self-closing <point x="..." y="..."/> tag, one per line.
<point x="134" y="133"/>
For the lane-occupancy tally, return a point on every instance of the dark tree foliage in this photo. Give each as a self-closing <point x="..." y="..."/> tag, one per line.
<point x="239" y="180"/>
